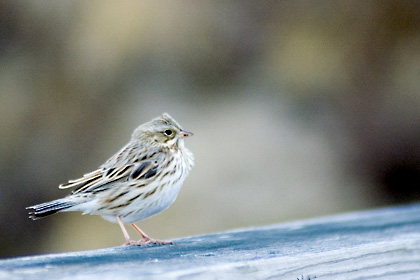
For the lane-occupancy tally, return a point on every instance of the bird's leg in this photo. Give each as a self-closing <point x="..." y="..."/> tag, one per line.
<point x="128" y="240"/>
<point x="146" y="239"/>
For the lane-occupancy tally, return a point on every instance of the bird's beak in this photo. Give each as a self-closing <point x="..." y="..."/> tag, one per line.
<point x="184" y="134"/>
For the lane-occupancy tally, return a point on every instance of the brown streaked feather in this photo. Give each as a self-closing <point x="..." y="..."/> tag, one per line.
<point x="117" y="174"/>
<point x="101" y="177"/>
<point x="92" y="176"/>
<point x="145" y="170"/>
<point x="137" y="167"/>
<point x="150" y="193"/>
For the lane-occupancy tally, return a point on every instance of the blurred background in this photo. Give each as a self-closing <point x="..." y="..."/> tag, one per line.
<point x="300" y="109"/>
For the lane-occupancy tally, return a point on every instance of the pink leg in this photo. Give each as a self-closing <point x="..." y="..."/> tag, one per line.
<point x="147" y="240"/>
<point x="128" y="240"/>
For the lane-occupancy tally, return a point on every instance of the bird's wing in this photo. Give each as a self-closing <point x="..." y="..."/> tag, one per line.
<point x="100" y="179"/>
<point x="87" y="179"/>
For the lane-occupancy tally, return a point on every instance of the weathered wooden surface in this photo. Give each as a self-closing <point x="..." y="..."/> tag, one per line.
<point x="381" y="244"/>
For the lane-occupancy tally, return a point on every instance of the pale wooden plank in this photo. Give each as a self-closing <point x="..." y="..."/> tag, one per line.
<point x="380" y="244"/>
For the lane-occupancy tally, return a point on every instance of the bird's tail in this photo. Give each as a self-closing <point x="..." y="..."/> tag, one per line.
<point x="49" y="208"/>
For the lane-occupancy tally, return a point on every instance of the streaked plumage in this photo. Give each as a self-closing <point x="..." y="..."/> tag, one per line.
<point x="139" y="181"/>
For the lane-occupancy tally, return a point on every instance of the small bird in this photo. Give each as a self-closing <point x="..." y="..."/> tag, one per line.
<point x="139" y="181"/>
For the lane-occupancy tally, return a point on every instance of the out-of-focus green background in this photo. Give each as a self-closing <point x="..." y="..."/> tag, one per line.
<point x="299" y="109"/>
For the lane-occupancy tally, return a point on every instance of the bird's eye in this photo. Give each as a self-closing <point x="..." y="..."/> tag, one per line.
<point x="168" y="132"/>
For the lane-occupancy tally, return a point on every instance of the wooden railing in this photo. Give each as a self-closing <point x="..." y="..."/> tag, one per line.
<point x="379" y="244"/>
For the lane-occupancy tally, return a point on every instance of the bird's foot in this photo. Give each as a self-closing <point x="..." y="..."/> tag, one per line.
<point x="146" y="241"/>
<point x="130" y="242"/>
<point x="149" y="240"/>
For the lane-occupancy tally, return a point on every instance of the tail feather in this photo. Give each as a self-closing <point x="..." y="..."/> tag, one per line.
<point x="49" y="208"/>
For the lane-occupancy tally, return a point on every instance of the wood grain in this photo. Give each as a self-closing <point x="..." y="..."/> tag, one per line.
<point x="379" y="244"/>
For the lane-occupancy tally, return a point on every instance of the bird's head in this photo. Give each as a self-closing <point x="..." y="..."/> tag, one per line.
<point x="162" y="131"/>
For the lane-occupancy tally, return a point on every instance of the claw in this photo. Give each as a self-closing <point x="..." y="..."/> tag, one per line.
<point x="155" y="241"/>
<point x="143" y="242"/>
<point x="130" y="242"/>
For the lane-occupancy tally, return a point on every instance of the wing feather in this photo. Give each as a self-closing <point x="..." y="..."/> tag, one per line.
<point x="142" y="169"/>
<point x="118" y="174"/>
<point x="87" y="178"/>
<point x="101" y="179"/>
